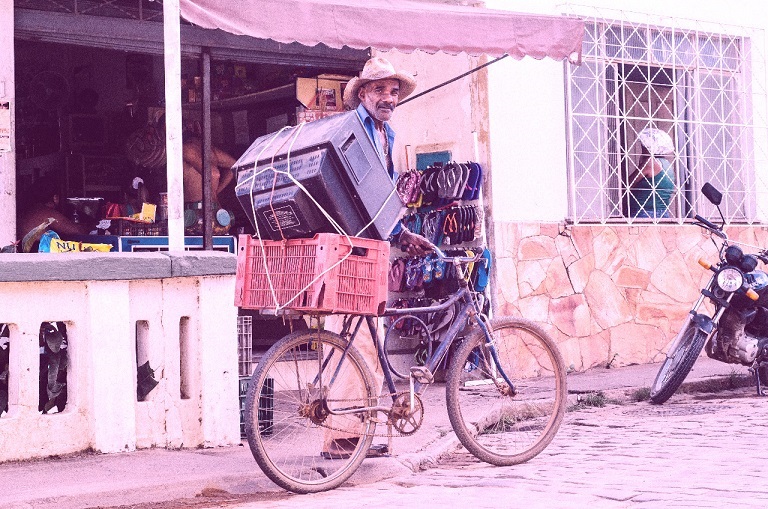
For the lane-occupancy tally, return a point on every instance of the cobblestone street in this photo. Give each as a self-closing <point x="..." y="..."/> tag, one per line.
<point x="702" y="449"/>
<point x="697" y="451"/>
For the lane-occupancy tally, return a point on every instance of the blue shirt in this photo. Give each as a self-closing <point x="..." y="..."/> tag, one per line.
<point x="370" y="128"/>
<point x="651" y="197"/>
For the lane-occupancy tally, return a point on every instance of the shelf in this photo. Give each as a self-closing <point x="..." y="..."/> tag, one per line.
<point x="243" y="101"/>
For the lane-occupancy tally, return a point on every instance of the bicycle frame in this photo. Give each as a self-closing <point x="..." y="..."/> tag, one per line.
<point x="324" y="393"/>
<point x="468" y="309"/>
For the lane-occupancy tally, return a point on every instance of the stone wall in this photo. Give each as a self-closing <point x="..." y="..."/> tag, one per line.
<point x="609" y="294"/>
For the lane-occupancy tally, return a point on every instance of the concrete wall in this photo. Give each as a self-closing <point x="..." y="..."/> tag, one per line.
<point x="183" y="309"/>
<point x="526" y="101"/>
<point x="609" y="293"/>
<point x="7" y="94"/>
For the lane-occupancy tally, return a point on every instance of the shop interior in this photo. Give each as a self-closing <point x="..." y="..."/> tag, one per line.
<point x="80" y="110"/>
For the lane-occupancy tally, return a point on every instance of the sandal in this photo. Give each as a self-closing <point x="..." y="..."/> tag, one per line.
<point x="427" y="272"/>
<point x="414" y="275"/>
<point x="438" y="272"/>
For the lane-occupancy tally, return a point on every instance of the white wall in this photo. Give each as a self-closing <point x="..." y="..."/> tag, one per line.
<point x="527" y="134"/>
<point x="7" y="159"/>
<point x="102" y="412"/>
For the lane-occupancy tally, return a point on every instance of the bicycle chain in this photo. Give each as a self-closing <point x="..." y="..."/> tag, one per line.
<point x="387" y="422"/>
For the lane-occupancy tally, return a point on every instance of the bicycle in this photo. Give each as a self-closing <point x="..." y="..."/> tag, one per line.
<point x="505" y="393"/>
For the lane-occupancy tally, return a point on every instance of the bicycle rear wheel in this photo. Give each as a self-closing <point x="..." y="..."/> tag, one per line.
<point x="299" y="381"/>
<point x="500" y="426"/>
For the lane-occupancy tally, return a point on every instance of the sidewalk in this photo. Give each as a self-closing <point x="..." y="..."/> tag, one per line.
<point x="155" y="475"/>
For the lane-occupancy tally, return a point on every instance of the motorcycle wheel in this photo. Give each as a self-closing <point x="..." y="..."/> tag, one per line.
<point x="677" y="365"/>
<point x="763" y="370"/>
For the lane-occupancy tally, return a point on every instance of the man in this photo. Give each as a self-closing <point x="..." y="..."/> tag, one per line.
<point x="146" y="147"/>
<point x="192" y="161"/>
<point x="221" y="174"/>
<point x="374" y="95"/>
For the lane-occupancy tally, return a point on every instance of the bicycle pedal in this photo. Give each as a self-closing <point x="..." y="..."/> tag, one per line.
<point x="422" y="374"/>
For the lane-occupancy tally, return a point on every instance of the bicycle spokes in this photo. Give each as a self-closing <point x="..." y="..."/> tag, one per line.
<point x="506" y="405"/>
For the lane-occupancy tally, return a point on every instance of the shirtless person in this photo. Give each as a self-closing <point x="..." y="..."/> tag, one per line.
<point x="221" y="174"/>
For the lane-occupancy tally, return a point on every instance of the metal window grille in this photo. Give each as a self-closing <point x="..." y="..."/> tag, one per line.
<point x="703" y="84"/>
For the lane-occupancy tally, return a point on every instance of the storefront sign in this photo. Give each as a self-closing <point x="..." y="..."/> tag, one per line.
<point x="5" y="126"/>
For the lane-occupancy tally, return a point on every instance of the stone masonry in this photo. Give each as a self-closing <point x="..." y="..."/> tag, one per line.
<point x="609" y="294"/>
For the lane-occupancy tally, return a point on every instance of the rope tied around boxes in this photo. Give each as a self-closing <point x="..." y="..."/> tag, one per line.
<point x="287" y="173"/>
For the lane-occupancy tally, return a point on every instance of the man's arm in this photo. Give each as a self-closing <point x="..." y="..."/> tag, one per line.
<point x="414" y="244"/>
<point x="193" y="155"/>
<point x="221" y="162"/>
<point x="224" y="162"/>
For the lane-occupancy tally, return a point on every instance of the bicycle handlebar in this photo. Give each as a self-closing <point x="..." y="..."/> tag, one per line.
<point x="456" y="259"/>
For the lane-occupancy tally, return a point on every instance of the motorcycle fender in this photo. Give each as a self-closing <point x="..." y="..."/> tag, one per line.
<point x="703" y="323"/>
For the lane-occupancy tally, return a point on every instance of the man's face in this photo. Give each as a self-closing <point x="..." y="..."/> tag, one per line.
<point x="380" y="98"/>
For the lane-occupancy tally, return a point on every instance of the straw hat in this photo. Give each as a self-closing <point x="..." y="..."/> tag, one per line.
<point x="656" y="141"/>
<point x="377" y="68"/>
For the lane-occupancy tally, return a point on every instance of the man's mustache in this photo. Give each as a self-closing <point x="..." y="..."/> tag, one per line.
<point x="388" y="106"/>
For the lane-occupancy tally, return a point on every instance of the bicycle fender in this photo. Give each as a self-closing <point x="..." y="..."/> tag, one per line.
<point x="703" y="323"/>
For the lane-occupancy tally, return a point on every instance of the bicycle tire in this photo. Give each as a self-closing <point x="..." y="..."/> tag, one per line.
<point x="507" y="429"/>
<point x="763" y="371"/>
<point x="677" y="364"/>
<point x="286" y="424"/>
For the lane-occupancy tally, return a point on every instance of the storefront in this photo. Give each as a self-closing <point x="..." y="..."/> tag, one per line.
<point x="86" y="79"/>
<point x="91" y="96"/>
<point x="89" y="109"/>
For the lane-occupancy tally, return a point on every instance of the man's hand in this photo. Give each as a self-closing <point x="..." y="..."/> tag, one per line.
<point x="415" y="245"/>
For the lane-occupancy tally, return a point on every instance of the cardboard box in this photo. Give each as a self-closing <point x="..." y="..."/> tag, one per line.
<point x="305" y="115"/>
<point x="322" y="93"/>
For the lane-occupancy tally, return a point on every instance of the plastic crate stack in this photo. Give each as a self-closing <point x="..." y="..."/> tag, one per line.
<point x="245" y="345"/>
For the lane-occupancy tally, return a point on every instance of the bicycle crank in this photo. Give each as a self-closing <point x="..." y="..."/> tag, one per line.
<point x="402" y="417"/>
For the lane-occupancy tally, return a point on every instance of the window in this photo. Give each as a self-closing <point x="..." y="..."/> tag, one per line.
<point x="703" y="87"/>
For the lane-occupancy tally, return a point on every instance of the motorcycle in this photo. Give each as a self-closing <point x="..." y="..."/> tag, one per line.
<point x="737" y="330"/>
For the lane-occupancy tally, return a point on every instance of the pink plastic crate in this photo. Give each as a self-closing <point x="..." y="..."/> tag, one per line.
<point x="358" y="285"/>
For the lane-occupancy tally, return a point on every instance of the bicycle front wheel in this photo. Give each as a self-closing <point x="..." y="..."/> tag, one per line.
<point x="499" y="424"/>
<point x="292" y="410"/>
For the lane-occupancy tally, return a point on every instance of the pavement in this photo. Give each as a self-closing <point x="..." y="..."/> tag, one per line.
<point x="157" y="477"/>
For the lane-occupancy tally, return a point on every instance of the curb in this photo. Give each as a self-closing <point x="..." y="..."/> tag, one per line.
<point x="420" y="461"/>
<point x="713" y="384"/>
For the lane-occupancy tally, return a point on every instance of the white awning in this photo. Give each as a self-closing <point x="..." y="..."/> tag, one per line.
<point x="402" y="25"/>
